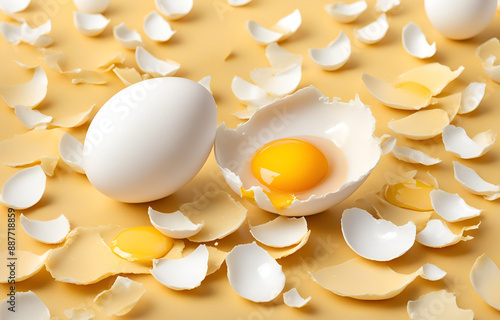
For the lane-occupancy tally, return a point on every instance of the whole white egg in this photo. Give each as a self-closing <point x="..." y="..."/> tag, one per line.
<point x="460" y="19"/>
<point x="150" y="139"/>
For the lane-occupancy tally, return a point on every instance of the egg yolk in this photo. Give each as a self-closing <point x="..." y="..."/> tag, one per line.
<point x="414" y="196"/>
<point x="289" y="165"/>
<point x="141" y="244"/>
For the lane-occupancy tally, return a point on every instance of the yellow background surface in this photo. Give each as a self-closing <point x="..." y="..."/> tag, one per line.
<point x="205" y="37"/>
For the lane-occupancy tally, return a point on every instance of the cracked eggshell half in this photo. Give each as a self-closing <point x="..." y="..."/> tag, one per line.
<point x="174" y="225"/>
<point x="452" y="207"/>
<point x="90" y="24"/>
<point x="71" y="151"/>
<point x="29" y="94"/>
<point x="51" y="231"/>
<point x="24" y="189"/>
<point x="254" y="274"/>
<point x="472" y="97"/>
<point x="293" y="299"/>
<point x="376" y="239"/>
<point x="307" y="113"/>
<point x="436" y="234"/>
<point x="283" y="29"/>
<point x="415" y="42"/>
<point x="157" y="28"/>
<point x="129" y="165"/>
<point x="457" y="142"/>
<point x="335" y="55"/>
<point x="472" y="182"/>
<point x="280" y="232"/>
<point x="485" y="278"/>
<point x="346" y="13"/>
<point x="154" y="66"/>
<point x="373" y="32"/>
<point x="489" y="53"/>
<point x="130" y="39"/>
<point x="33" y="308"/>
<point x="386" y="5"/>
<point x="182" y="274"/>
<point x="174" y="9"/>
<point x="92" y="6"/>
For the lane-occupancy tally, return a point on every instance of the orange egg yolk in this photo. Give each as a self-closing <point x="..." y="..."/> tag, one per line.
<point x="289" y="165"/>
<point x="141" y="244"/>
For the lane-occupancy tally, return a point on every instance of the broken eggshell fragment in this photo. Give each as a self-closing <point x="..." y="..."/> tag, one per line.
<point x="373" y="32"/>
<point x="452" y="207"/>
<point x="436" y="234"/>
<point x="415" y="42"/>
<point x="473" y="183"/>
<point x="335" y="55"/>
<point x="173" y="9"/>
<point x="90" y="24"/>
<point x="376" y="239"/>
<point x="485" y="278"/>
<point x="280" y="232"/>
<point x="456" y="141"/>
<point x="293" y="299"/>
<point x="346" y="13"/>
<point x="24" y="189"/>
<point x="34" y="308"/>
<point x="174" y="225"/>
<point x="448" y="309"/>
<point x="51" y="231"/>
<point x="254" y="274"/>
<point x="156" y="28"/>
<point x="283" y="29"/>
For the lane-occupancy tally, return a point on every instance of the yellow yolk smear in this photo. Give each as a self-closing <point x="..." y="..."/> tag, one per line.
<point x="141" y="244"/>
<point x="288" y="166"/>
<point x="414" y="196"/>
<point x="415" y="88"/>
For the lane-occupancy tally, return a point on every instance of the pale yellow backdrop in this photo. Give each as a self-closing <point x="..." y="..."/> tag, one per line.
<point x="204" y="38"/>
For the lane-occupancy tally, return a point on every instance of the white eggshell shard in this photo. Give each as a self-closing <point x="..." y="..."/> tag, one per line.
<point x="31" y="118"/>
<point x="374" y="281"/>
<point x="278" y="81"/>
<point x="419" y="309"/>
<point x="489" y="53"/>
<point x="154" y="66"/>
<point x="254" y="274"/>
<point x="414" y="156"/>
<point x="174" y="9"/>
<point x="205" y="81"/>
<point x="485" y="278"/>
<point x="174" y="225"/>
<point x="79" y="313"/>
<point x="71" y="151"/>
<point x="14" y="6"/>
<point x="157" y="28"/>
<point x="238" y="3"/>
<point x="346" y="13"/>
<point x="376" y="239"/>
<point x="386" y="5"/>
<point x="24" y="189"/>
<point x="432" y="272"/>
<point x="121" y="298"/>
<point x="250" y="94"/>
<point x="90" y="24"/>
<point x="335" y="55"/>
<point x="452" y="207"/>
<point x="415" y="42"/>
<point x="15" y="34"/>
<point x="51" y="231"/>
<point x="34" y="308"/>
<point x="387" y="143"/>
<point x="349" y="126"/>
<point x="473" y="183"/>
<point x="182" y="274"/>
<point x="391" y="95"/>
<point x="130" y="39"/>
<point x="373" y="32"/>
<point x="92" y="6"/>
<point x="293" y="299"/>
<point x="54" y="60"/>
<point x="283" y="29"/>
<point x="28" y="264"/>
<point x="457" y="142"/>
<point x="28" y="94"/>
<point x="436" y="234"/>
<point x="168" y="103"/>
<point x="280" y="232"/>
<point x="279" y="57"/>
<point x="472" y="96"/>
